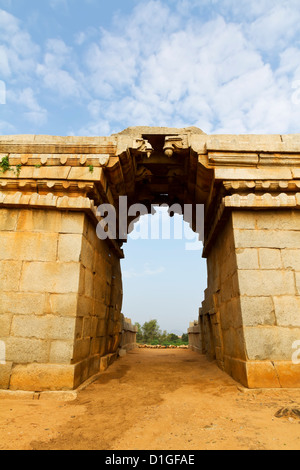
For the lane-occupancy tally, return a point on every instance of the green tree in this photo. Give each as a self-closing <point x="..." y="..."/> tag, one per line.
<point x="172" y="338"/>
<point x="151" y="331"/>
<point x="185" y="338"/>
<point x="139" y="335"/>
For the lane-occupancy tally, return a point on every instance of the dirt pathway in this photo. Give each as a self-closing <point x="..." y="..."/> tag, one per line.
<point x="155" y="400"/>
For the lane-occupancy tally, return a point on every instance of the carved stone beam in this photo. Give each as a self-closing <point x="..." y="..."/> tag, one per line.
<point x="174" y="144"/>
<point x="143" y="146"/>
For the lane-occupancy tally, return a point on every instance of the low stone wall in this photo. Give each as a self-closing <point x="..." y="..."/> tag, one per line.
<point x="195" y="337"/>
<point x="128" y="336"/>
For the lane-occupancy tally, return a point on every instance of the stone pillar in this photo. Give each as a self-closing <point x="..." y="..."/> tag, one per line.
<point x="60" y="286"/>
<point x="59" y="313"/>
<point x="220" y="316"/>
<point x="195" y="339"/>
<point x="267" y="245"/>
<point x="129" y="331"/>
<point x="250" y="319"/>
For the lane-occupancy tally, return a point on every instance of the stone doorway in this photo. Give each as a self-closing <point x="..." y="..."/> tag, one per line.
<point x="61" y="286"/>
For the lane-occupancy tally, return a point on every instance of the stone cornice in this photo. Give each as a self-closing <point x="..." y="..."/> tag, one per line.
<point x="51" y="201"/>
<point x="262" y="186"/>
<point x="73" y="160"/>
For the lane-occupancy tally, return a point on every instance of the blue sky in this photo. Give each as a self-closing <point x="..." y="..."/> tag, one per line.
<point x="95" y="67"/>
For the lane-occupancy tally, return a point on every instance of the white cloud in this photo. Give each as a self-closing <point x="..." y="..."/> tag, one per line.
<point x="214" y="74"/>
<point x="224" y="66"/>
<point x="26" y="99"/>
<point x="147" y="271"/>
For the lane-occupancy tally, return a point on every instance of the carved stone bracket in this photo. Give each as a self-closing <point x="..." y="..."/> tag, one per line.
<point x="143" y="146"/>
<point x="174" y="144"/>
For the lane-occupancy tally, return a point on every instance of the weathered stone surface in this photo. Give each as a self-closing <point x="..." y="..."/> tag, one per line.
<point x="257" y="311"/>
<point x="26" y="350"/>
<point x="258" y="283"/>
<point x="269" y="343"/>
<point x="8" y="219"/>
<point x="22" y="303"/>
<point x="43" y="327"/>
<point x="10" y="272"/>
<point x="61" y="287"/>
<point x="42" y="377"/>
<point x="5" y="373"/>
<point x="69" y="247"/>
<point x="28" y="247"/>
<point x="59" y="278"/>
<point x="287" y="310"/>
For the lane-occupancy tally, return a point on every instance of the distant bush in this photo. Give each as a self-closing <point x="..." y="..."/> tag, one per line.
<point x="151" y="334"/>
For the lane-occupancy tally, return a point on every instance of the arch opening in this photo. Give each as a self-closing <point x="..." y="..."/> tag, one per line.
<point x="162" y="278"/>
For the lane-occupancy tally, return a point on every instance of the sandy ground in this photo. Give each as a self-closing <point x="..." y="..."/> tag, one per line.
<point x="155" y="400"/>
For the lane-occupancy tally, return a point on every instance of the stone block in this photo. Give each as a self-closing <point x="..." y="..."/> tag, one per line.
<point x="42" y="377"/>
<point x="10" y="272"/>
<point x="237" y="369"/>
<point x="87" y="254"/>
<point x="262" y="374"/>
<point x="95" y="346"/>
<point x="287" y="311"/>
<point x="267" y="239"/>
<point x="87" y="327"/>
<point x="270" y="258"/>
<point x="28" y="246"/>
<point x="69" y="247"/>
<point x="291" y="259"/>
<point x="8" y="219"/>
<point x="49" y="327"/>
<point x="244" y="220"/>
<point x="84" y="174"/>
<point x="247" y="258"/>
<point x="61" y="352"/>
<point x="274" y="220"/>
<point x="64" y="305"/>
<point x="101" y="328"/>
<point x="72" y="222"/>
<point x="253" y="174"/>
<point x="39" y="221"/>
<point x="59" y="278"/>
<point x="233" y="343"/>
<point x="82" y="349"/>
<point x="288" y="373"/>
<point x="5" y="373"/>
<point x="94" y="365"/>
<point x="5" y="324"/>
<point x="89" y="284"/>
<point x="270" y="343"/>
<point x="297" y="275"/>
<point x="79" y="328"/>
<point x="231" y="315"/>
<point x="22" y="303"/>
<point x="85" y="306"/>
<point x="257" y="311"/>
<point x="266" y="283"/>
<point x="26" y="350"/>
<point x="106" y="361"/>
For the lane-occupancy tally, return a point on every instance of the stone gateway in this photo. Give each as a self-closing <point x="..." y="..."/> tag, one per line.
<point x="61" y="286"/>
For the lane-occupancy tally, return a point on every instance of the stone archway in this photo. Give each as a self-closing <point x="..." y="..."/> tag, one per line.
<point x="61" y="287"/>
